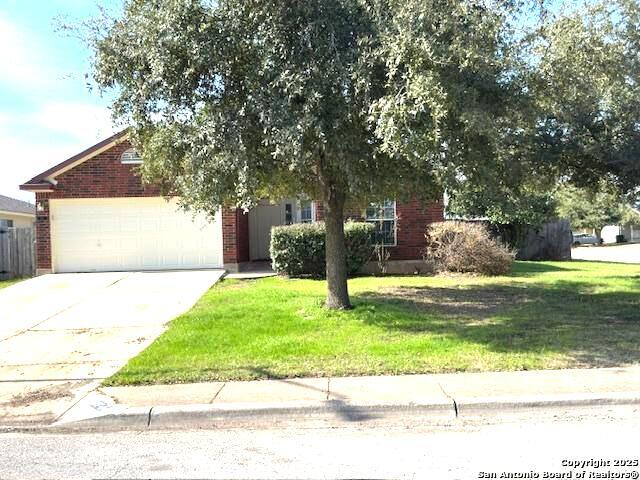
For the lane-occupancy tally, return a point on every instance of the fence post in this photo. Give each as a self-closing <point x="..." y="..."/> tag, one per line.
<point x="17" y="253"/>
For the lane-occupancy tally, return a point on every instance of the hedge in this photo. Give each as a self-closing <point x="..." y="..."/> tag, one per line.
<point x="299" y="250"/>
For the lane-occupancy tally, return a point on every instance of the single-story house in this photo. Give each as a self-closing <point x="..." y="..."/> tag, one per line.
<point x="93" y="213"/>
<point x="16" y="213"/>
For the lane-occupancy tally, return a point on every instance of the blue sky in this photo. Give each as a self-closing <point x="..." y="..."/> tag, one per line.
<point x="47" y="112"/>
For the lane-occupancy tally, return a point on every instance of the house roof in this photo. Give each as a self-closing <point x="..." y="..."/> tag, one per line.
<point x="46" y="180"/>
<point x="8" y="204"/>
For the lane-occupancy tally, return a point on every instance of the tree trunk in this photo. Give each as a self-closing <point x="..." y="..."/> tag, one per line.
<point x="337" y="292"/>
<point x="598" y="234"/>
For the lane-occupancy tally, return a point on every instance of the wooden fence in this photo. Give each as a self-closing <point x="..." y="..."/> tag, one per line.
<point x="17" y="253"/>
<point x="550" y="241"/>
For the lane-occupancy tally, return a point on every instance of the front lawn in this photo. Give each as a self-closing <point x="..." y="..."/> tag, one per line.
<point x="544" y="315"/>
<point x="8" y="283"/>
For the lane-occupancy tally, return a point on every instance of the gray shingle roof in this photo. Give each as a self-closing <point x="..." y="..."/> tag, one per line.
<point x="8" y="204"/>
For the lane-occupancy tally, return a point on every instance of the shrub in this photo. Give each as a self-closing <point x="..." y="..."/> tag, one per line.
<point x="358" y="236"/>
<point x="299" y="250"/>
<point x="466" y="248"/>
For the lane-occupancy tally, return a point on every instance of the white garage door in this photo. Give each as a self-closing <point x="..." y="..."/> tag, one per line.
<point x="142" y="233"/>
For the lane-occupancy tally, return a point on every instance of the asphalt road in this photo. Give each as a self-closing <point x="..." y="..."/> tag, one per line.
<point x="405" y="448"/>
<point x="625" y="253"/>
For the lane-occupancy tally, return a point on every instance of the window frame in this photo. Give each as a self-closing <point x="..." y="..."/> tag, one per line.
<point x="313" y="211"/>
<point x="380" y="207"/>
<point x="123" y="161"/>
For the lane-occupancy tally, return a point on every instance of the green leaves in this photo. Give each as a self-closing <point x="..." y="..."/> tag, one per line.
<point x="243" y="99"/>
<point x="589" y="72"/>
<point x="587" y="208"/>
<point x="299" y="250"/>
<point x="236" y="100"/>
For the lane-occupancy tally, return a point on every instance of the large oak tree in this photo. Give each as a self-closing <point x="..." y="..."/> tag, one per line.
<point x="356" y="100"/>
<point x="346" y="101"/>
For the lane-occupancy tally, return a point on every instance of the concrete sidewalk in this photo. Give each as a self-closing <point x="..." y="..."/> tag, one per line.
<point x="358" y="399"/>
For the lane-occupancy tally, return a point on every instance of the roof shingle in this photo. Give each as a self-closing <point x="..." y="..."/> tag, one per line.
<point x="8" y="204"/>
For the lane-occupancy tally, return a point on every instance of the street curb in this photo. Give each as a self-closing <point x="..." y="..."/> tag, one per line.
<point x="122" y="417"/>
<point x="244" y="414"/>
<point x="476" y="405"/>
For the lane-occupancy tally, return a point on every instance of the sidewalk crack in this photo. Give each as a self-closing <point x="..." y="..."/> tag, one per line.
<point x="455" y="404"/>
<point x="328" y="387"/>
<point x="149" y="417"/>
<point x="217" y="393"/>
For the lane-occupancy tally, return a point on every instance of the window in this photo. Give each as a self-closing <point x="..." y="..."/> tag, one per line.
<point x="130" y="156"/>
<point x="6" y="223"/>
<point x="288" y="213"/>
<point x="383" y="215"/>
<point x="306" y="211"/>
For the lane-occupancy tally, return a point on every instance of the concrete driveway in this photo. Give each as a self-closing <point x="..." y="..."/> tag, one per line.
<point x="60" y="335"/>
<point x="624" y="253"/>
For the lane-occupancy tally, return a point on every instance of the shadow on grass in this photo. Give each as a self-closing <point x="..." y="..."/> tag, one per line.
<point x="530" y="268"/>
<point x="594" y="329"/>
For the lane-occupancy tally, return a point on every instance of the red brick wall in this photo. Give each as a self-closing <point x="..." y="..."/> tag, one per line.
<point x="43" y="236"/>
<point x="103" y="176"/>
<point x="242" y="235"/>
<point x="413" y="218"/>
<point x="235" y="236"/>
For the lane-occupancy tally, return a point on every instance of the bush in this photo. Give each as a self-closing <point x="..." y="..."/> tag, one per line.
<point x="466" y="248"/>
<point x="299" y="250"/>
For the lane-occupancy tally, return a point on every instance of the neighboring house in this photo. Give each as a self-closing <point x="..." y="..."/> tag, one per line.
<point x="95" y="214"/>
<point x="631" y="233"/>
<point x="16" y="213"/>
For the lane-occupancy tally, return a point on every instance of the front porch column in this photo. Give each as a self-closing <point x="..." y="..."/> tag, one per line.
<point x="235" y="238"/>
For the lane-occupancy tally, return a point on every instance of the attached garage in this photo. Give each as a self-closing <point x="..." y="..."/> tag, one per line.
<point x="131" y="233"/>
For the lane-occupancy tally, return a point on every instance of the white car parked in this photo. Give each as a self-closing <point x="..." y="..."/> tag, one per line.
<point x="585" y="239"/>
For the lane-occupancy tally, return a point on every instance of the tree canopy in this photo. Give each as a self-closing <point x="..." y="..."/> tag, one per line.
<point x="346" y="101"/>
<point x="594" y="208"/>
<point x="341" y="100"/>
<point x="579" y="118"/>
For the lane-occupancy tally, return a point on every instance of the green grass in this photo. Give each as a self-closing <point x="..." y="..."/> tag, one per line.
<point x="8" y="283"/>
<point x="544" y="315"/>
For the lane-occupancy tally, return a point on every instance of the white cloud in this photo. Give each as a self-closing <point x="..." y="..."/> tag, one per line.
<point x="78" y="119"/>
<point x="33" y="142"/>
<point x="22" y="64"/>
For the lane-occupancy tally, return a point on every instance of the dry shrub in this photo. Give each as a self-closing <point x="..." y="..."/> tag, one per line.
<point x="465" y="247"/>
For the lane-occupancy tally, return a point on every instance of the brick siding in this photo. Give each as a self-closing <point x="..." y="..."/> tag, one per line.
<point x="104" y="176"/>
<point x="413" y="218"/>
<point x="235" y="236"/>
<point x="43" y="235"/>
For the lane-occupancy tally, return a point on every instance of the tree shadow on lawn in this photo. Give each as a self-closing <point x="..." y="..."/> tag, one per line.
<point x="592" y="329"/>
<point x="530" y="268"/>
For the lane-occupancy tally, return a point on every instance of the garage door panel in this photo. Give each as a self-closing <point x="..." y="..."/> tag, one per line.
<point x="146" y="233"/>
